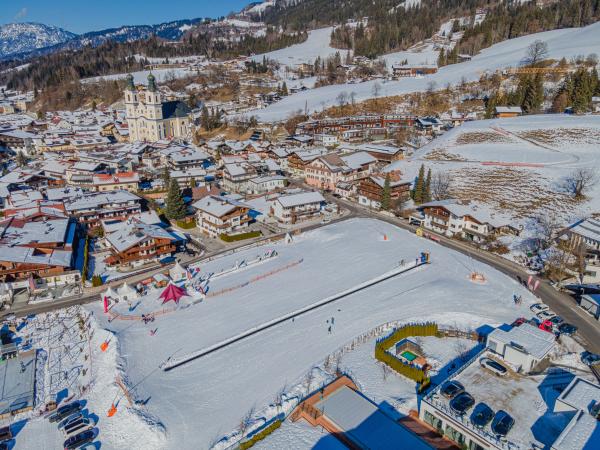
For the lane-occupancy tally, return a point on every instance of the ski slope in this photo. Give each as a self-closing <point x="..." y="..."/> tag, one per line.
<point x="316" y="45"/>
<point x="566" y="43"/>
<point x="201" y="401"/>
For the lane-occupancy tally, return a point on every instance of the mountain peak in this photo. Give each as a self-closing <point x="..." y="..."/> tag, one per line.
<point x="28" y="36"/>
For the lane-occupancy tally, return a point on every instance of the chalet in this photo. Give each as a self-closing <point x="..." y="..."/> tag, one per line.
<point x="216" y="215"/>
<point x="20" y="141"/>
<point x="127" y="181"/>
<point x="326" y="140"/>
<point x="179" y="158"/>
<point x="370" y="190"/>
<point x="264" y="184"/>
<point x="507" y="111"/>
<point x="429" y="125"/>
<point x="236" y="176"/>
<point x="91" y="208"/>
<point x="470" y="220"/>
<point x="413" y="71"/>
<point x="587" y="233"/>
<point x="297" y="207"/>
<point x="299" y="159"/>
<point x="383" y="153"/>
<point x="30" y="248"/>
<point x="133" y="243"/>
<point x="188" y="177"/>
<point x="326" y="171"/>
<point x="83" y="170"/>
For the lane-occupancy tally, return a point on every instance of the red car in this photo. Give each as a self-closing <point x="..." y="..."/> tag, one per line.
<point x="518" y="322"/>
<point x="546" y="325"/>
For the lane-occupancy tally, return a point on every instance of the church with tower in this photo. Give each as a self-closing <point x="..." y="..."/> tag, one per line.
<point x="150" y="119"/>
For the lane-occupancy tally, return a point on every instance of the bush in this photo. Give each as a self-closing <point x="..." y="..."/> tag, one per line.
<point x="260" y="435"/>
<point x="86" y="251"/>
<point x="240" y="237"/>
<point x="97" y="281"/>
<point x="186" y="225"/>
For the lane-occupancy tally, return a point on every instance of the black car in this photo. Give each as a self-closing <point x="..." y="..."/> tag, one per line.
<point x="462" y="402"/>
<point x="502" y="423"/>
<point x="482" y="415"/>
<point x="567" y="328"/>
<point x="451" y="389"/>
<point x="64" y="411"/>
<point x="79" y="439"/>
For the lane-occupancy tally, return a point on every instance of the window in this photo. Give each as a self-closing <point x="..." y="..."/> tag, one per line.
<point x="432" y="420"/>
<point x="454" y="435"/>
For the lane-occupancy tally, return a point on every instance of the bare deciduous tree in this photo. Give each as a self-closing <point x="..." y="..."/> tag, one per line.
<point x="342" y="98"/>
<point x="376" y="89"/>
<point x="308" y="379"/>
<point x="580" y="181"/>
<point x="353" y="98"/>
<point x="246" y="420"/>
<point x="546" y="230"/>
<point x="536" y="52"/>
<point x="385" y="371"/>
<point x="440" y="186"/>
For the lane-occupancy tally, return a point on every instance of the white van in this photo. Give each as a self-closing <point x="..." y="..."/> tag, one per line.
<point x="76" y="427"/>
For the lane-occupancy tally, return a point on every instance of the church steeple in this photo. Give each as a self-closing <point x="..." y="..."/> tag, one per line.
<point x="151" y="83"/>
<point x="130" y="85"/>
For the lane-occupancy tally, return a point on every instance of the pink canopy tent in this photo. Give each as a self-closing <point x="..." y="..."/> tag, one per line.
<point x="173" y="293"/>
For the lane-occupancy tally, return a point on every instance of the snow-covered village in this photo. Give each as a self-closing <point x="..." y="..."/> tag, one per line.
<point x="309" y="224"/>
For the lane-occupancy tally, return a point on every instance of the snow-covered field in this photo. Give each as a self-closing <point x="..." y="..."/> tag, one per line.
<point x="517" y="166"/>
<point x="203" y="400"/>
<point x="317" y="44"/>
<point x="561" y="43"/>
<point x="197" y="404"/>
<point x="141" y="77"/>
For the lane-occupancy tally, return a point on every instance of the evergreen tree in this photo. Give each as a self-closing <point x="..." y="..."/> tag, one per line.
<point x="284" y="89"/>
<point x="176" y="209"/>
<point x="427" y="188"/>
<point x="204" y="119"/>
<point x="386" y="194"/>
<point x="538" y="88"/>
<point x="419" y="185"/>
<point x="166" y="177"/>
<point x="441" y="58"/>
<point x="21" y="159"/>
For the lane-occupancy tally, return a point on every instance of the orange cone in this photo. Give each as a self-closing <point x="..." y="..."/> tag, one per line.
<point x="385" y="237"/>
<point x="104" y="346"/>
<point x="112" y="411"/>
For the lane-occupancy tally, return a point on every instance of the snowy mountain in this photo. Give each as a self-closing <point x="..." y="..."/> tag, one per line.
<point x="25" y="37"/>
<point x="22" y="40"/>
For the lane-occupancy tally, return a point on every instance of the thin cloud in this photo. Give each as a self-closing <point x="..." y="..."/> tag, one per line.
<point x="21" y="14"/>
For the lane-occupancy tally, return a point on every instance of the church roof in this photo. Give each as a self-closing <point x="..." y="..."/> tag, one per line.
<point x="175" y="108"/>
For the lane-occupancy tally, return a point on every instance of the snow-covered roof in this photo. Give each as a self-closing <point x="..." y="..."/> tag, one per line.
<point x="33" y="256"/>
<point x="302" y="198"/>
<point x="99" y="199"/>
<point x="379" y="148"/>
<point x="477" y="210"/>
<point x="509" y="109"/>
<point x="357" y="160"/>
<point x="364" y="423"/>
<point x="579" y="393"/>
<point x="132" y="232"/>
<point x="588" y="228"/>
<point x="216" y="206"/>
<point x="537" y="343"/>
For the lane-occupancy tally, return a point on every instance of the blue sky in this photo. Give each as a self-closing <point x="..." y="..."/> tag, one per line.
<point x="80" y="16"/>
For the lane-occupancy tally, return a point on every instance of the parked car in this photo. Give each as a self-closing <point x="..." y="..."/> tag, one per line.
<point x="462" y="402"/>
<point x="567" y="328"/>
<point x="589" y="358"/>
<point x="64" y="411"/>
<point x="546" y="325"/>
<point x="482" y="415"/>
<point x="493" y="366"/>
<point x="77" y="427"/>
<point x="72" y="418"/>
<point x="518" y="322"/>
<point x="545" y="315"/>
<point x="538" y="307"/>
<point x="502" y="423"/>
<point x="78" y="440"/>
<point x="557" y="320"/>
<point x="451" y="389"/>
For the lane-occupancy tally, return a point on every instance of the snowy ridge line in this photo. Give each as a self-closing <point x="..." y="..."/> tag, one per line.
<point x="171" y="364"/>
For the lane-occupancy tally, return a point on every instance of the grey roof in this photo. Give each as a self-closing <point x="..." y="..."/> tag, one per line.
<point x="99" y="199"/>
<point x="133" y="232"/>
<point x="34" y="232"/>
<point x="536" y="342"/>
<point x="588" y="228"/>
<point x="365" y="424"/>
<point x="301" y="198"/>
<point x="17" y="385"/>
<point x="31" y="256"/>
<point x="217" y="206"/>
<point x="175" y="108"/>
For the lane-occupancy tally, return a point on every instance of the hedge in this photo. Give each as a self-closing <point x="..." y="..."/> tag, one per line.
<point x="408" y="370"/>
<point x="186" y="225"/>
<point x="260" y="435"/>
<point x="240" y="237"/>
<point x="86" y="250"/>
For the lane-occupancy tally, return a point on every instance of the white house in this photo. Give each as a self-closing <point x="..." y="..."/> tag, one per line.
<point x="216" y="215"/>
<point x="523" y="347"/>
<point x="326" y="140"/>
<point x="297" y="207"/>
